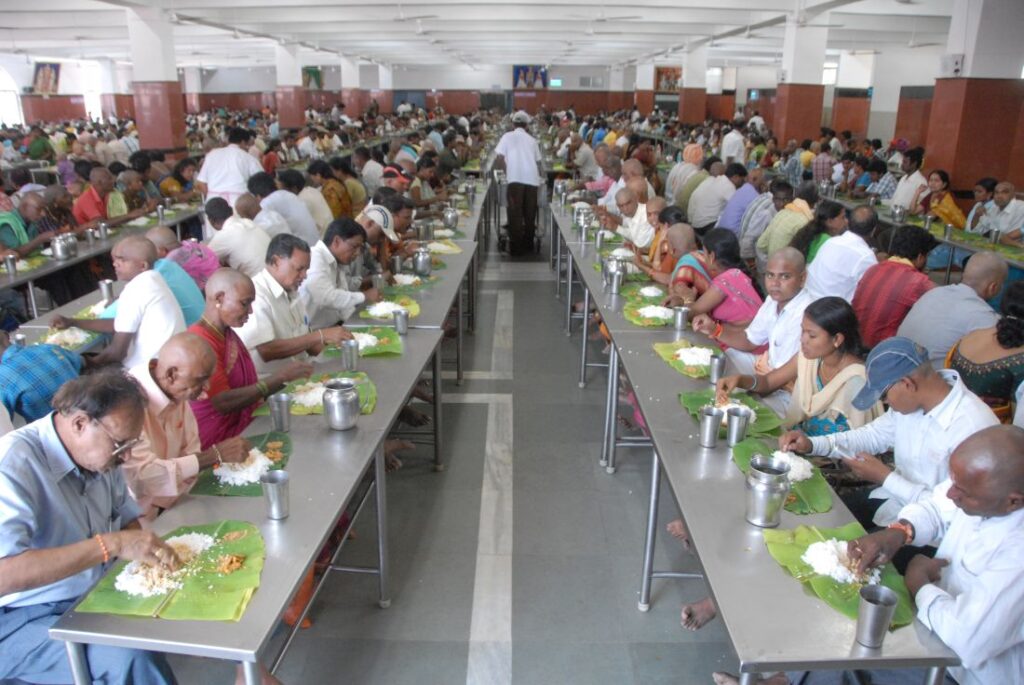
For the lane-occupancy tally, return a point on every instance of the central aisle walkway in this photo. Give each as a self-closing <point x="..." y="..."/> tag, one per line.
<point x="520" y="563"/>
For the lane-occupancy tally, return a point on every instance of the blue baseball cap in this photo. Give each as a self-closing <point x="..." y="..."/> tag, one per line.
<point x="890" y="361"/>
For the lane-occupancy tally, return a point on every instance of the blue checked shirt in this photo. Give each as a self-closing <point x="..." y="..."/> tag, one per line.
<point x="30" y="376"/>
<point x="883" y="187"/>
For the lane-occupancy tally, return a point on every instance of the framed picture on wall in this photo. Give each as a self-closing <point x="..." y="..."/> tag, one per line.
<point x="668" y="79"/>
<point x="529" y="77"/>
<point x="312" y="78"/>
<point x="46" y="79"/>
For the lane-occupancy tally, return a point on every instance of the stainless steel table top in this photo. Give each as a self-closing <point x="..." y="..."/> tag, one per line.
<point x="437" y="299"/>
<point x="87" y="251"/>
<point x="36" y="329"/>
<point x="772" y="622"/>
<point x="326" y="467"/>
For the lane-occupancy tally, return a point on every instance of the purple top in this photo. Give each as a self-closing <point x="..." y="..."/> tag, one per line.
<point x="732" y="215"/>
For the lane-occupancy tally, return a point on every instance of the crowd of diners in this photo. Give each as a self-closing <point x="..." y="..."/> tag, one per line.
<point x="906" y="388"/>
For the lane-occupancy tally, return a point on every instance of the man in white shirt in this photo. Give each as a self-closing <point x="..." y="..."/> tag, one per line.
<point x="519" y="154"/>
<point x="237" y="241"/>
<point x="225" y="170"/>
<point x="912" y="178"/>
<point x="711" y="196"/>
<point x="370" y="170"/>
<point x="329" y="298"/>
<point x="631" y="169"/>
<point x="971" y="595"/>
<point x="734" y="147"/>
<point x="147" y="313"/>
<point x="310" y="195"/>
<point x="306" y="145"/>
<point x="930" y="413"/>
<point x="274" y="197"/>
<point x="631" y="222"/>
<point x="843" y="259"/>
<point x="1004" y="216"/>
<point x="944" y="315"/>
<point x="777" y="324"/>
<point x="756" y="122"/>
<point x="278" y="329"/>
<point x="582" y="157"/>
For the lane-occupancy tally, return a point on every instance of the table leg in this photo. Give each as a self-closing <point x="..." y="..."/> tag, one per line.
<point x="584" y="336"/>
<point x="32" y="300"/>
<point x="936" y="675"/>
<point x="568" y="295"/>
<point x="611" y="405"/>
<point x="551" y="241"/>
<point x="380" y="486"/>
<point x="79" y="666"/>
<point x="949" y="264"/>
<point x="652" y="531"/>
<point x="558" y="265"/>
<point x="458" y="334"/>
<point x="438" y="464"/>
<point x="749" y="678"/>
<point x="251" y="672"/>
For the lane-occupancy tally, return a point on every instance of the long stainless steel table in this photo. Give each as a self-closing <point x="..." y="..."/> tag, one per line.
<point x="87" y="252"/>
<point x="326" y="468"/>
<point x="749" y="587"/>
<point x="37" y="329"/>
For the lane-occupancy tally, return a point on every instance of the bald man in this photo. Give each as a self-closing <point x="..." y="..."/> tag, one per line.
<point x="631" y="221"/>
<point x="777" y="324"/>
<point x="166" y="462"/>
<point x="930" y="323"/>
<point x="147" y="315"/>
<point x="631" y="168"/>
<point x="91" y="206"/>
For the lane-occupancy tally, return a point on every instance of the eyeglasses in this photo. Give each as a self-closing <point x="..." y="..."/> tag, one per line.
<point x="121" y="447"/>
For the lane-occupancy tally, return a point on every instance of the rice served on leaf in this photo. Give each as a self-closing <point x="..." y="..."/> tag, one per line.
<point x="694" y="356"/>
<point x="654" y="312"/>
<point x="250" y="470"/>
<point x="144" y="580"/>
<point x="309" y="394"/>
<point x="69" y="337"/>
<point x="443" y="233"/>
<point x="829" y="558"/>
<point x="799" y="468"/>
<point x="384" y="309"/>
<point x="651" y="291"/>
<point x="622" y="253"/>
<point x="365" y="340"/>
<point x="407" y="279"/>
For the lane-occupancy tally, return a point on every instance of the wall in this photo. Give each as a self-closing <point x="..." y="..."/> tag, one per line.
<point x="452" y="77"/>
<point x="239" y="80"/>
<point x="754" y="77"/>
<point x="54" y="108"/>
<point x="571" y="75"/>
<point x="915" y="107"/>
<point x="894" y="69"/>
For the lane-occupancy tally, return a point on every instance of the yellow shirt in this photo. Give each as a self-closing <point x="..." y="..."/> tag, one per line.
<point x="610" y="139"/>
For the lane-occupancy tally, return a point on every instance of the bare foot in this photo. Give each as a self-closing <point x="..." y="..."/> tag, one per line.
<point x="424" y="391"/>
<point x="677" y="529"/>
<point x="391" y="460"/>
<point x="696" y="615"/>
<point x="721" y="678"/>
<point x="413" y="417"/>
<point x="626" y="423"/>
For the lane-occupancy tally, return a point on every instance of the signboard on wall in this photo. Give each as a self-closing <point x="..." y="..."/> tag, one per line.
<point x="529" y="77"/>
<point x="46" y="79"/>
<point x="312" y="78"/>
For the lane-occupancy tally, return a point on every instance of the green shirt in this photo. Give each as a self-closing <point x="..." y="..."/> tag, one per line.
<point x="816" y="244"/>
<point x="780" y="231"/>
<point x="683" y="196"/>
<point x="40" y="148"/>
<point x="14" y="232"/>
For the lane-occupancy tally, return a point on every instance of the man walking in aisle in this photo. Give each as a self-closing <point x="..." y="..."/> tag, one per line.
<point x="519" y="154"/>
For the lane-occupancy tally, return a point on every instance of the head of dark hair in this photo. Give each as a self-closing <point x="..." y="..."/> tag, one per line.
<point x="825" y="211"/>
<point x="835" y="316"/>
<point x="942" y="174"/>
<point x="217" y="210"/>
<point x="426" y="162"/>
<point x="381" y="193"/>
<point x="140" y="161"/>
<point x="179" y="169"/>
<point x="861" y="161"/>
<point x="274" y="145"/>
<point x="849" y="156"/>
<point x="780" y="185"/>
<point x="877" y="143"/>
<point x="292" y="180"/>
<point x="915" y="156"/>
<point x="343" y="165"/>
<point x="805" y="144"/>
<point x="724" y="244"/>
<point x="83" y="168"/>
<point x="237" y="135"/>
<point x="319" y="167"/>
<point x="876" y="166"/>
<point x="709" y="162"/>
<point x="672" y="215"/>
<point x="362" y="151"/>
<point x="156" y="155"/>
<point x="808" y="192"/>
<point x="396" y="202"/>
<point x="343" y="228"/>
<point x="988" y="183"/>
<point x="283" y="245"/>
<point x="115" y="168"/>
<point x="20" y="176"/>
<point x="99" y="393"/>
<point x="1010" y="328"/>
<point x="735" y="169"/>
<point x="261" y="184"/>
<point x="910" y="242"/>
<point x="863" y="220"/>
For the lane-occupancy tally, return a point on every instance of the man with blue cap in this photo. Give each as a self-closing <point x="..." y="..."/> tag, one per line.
<point x="930" y="413"/>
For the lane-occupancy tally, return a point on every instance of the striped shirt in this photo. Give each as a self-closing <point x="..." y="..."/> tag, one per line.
<point x="883" y="187"/>
<point x="884" y="296"/>
<point x="30" y="376"/>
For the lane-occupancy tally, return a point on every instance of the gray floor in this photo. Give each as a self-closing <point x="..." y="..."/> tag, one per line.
<point x="519" y="563"/>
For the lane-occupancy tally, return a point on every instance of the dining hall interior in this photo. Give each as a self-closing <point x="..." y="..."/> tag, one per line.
<point x="547" y="343"/>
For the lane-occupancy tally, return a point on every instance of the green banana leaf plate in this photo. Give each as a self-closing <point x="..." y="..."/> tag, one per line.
<point x="205" y="594"/>
<point x="364" y="386"/>
<point x="32" y="261"/>
<point x="394" y="291"/>
<point x="766" y="422"/>
<point x="634" y="277"/>
<point x="410" y="304"/>
<point x="630" y="311"/>
<point x="787" y="546"/>
<point x="389" y="343"/>
<point x="811" y="496"/>
<point x="448" y="247"/>
<point x="207" y="483"/>
<point x="631" y="291"/>
<point x="667" y="351"/>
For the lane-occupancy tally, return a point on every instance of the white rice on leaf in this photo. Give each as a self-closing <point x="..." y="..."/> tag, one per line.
<point x="144" y="580"/>
<point x="651" y="291"/>
<point x="799" y="468"/>
<point x="654" y="312"/>
<point x="622" y="253"/>
<point x="829" y="558"/>
<point x="694" y="356"/>
<point x="384" y="309"/>
<point x="69" y="337"/>
<point x="365" y="340"/>
<point x="443" y="233"/>
<point x="406" y="279"/>
<point x="309" y="394"/>
<point x="246" y="472"/>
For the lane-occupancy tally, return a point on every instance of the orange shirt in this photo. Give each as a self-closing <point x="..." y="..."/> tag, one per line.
<point x="89" y="206"/>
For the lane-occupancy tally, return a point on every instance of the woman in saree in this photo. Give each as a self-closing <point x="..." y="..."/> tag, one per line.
<point x="235" y="388"/>
<point x="935" y="199"/>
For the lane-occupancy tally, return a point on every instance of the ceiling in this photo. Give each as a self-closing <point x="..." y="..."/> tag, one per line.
<point x="243" y="32"/>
